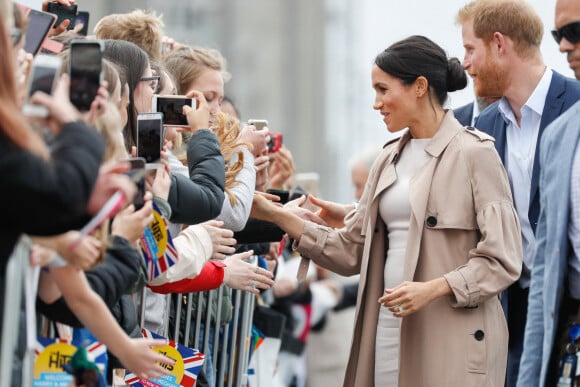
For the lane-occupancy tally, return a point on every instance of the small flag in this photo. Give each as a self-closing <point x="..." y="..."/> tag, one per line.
<point x="183" y="373"/>
<point x="157" y="246"/>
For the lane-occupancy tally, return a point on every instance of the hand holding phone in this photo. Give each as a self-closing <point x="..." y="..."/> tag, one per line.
<point x="63" y="13"/>
<point x="43" y="75"/>
<point x="259" y="124"/>
<point x="39" y="25"/>
<point x="150" y="138"/>
<point x="85" y="65"/>
<point x="137" y="174"/>
<point x="172" y="108"/>
<point x="197" y="118"/>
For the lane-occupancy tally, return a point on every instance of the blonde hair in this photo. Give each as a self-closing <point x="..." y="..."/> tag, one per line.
<point x="143" y="28"/>
<point x="227" y="130"/>
<point x="514" y="18"/>
<point x="186" y="64"/>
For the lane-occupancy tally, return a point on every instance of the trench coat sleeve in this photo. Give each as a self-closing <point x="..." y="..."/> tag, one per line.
<point x="496" y="261"/>
<point x="339" y="250"/>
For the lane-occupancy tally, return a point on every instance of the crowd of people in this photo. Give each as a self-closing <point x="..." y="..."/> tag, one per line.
<point x="465" y="232"/>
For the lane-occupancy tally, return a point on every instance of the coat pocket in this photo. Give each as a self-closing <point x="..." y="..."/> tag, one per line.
<point x="477" y="352"/>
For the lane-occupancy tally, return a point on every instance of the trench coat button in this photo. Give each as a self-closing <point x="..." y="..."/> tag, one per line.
<point x="479" y="335"/>
<point x="431" y="221"/>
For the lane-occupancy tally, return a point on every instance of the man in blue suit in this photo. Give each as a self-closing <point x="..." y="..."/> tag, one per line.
<point x="502" y="55"/>
<point x="468" y="113"/>
<point x="555" y="286"/>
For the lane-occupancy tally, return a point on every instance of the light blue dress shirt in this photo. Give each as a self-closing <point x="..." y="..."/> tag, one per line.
<point x="574" y="227"/>
<point x="519" y="159"/>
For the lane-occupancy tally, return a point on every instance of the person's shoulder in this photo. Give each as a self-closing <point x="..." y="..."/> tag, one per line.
<point x="489" y="113"/>
<point x="464" y="113"/>
<point x="475" y="135"/>
<point x="566" y="123"/>
<point x="568" y="87"/>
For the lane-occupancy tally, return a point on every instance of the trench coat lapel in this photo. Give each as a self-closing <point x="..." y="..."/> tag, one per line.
<point x="387" y="175"/>
<point x="420" y="188"/>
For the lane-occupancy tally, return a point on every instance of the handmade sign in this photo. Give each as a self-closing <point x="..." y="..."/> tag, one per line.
<point x="157" y="246"/>
<point x="188" y="363"/>
<point x="53" y="354"/>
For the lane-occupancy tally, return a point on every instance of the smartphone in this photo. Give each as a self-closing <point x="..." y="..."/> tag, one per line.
<point x="44" y="72"/>
<point x="82" y="18"/>
<point x="39" y="24"/>
<point x="85" y="65"/>
<point x="275" y="142"/>
<point x="172" y="108"/>
<point x="259" y="124"/>
<point x="282" y="194"/>
<point x="63" y="13"/>
<point x="137" y="172"/>
<point x="150" y="137"/>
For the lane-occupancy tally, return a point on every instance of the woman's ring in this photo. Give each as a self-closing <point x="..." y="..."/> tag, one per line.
<point x="401" y="309"/>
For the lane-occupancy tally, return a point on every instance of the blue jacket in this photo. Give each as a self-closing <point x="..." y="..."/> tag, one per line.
<point x="563" y="93"/>
<point x="464" y="114"/>
<point x="557" y="151"/>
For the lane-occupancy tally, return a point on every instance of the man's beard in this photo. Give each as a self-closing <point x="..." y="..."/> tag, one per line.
<point x="491" y="79"/>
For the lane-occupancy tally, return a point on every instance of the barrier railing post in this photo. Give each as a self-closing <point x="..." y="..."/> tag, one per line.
<point x="188" y="320"/>
<point x="234" y="330"/>
<point x="217" y="327"/>
<point x="15" y="269"/>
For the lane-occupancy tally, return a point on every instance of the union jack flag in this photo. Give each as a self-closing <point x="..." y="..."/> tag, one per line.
<point x="48" y="367"/>
<point x="157" y="246"/>
<point x="192" y="363"/>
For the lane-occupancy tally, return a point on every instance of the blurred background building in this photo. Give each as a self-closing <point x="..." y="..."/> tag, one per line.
<point x="305" y="64"/>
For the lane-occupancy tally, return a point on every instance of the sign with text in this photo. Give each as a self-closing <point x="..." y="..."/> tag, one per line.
<point x="183" y="373"/>
<point x="52" y="354"/>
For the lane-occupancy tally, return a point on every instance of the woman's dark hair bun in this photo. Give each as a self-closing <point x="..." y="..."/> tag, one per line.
<point x="456" y="76"/>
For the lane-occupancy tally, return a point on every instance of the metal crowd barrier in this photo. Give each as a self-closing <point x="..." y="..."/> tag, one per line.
<point x="231" y="343"/>
<point x="16" y="269"/>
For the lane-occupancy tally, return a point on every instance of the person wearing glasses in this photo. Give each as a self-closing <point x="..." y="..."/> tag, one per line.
<point x="502" y="55"/>
<point x="555" y="285"/>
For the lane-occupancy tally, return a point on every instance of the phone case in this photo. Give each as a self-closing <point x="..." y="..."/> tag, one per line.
<point x="39" y="25"/>
<point x="63" y="13"/>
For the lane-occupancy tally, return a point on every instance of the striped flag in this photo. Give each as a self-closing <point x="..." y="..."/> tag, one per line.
<point x="52" y="354"/>
<point x="157" y="246"/>
<point x="188" y="363"/>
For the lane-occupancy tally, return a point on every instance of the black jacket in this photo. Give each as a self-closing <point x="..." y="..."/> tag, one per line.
<point x="42" y="197"/>
<point x="112" y="279"/>
<point x="47" y="198"/>
<point x="200" y="197"/>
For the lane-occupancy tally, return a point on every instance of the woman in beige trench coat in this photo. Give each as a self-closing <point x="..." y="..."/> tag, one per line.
<point x="463" y="242"/>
